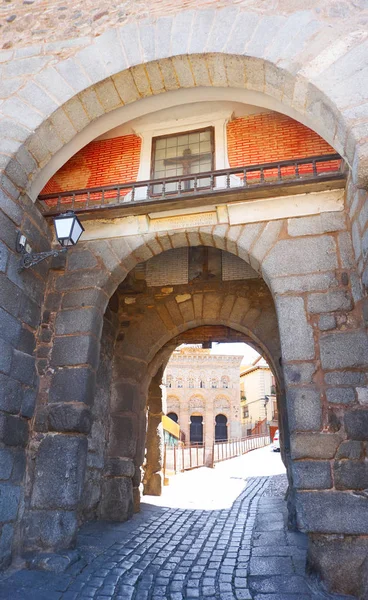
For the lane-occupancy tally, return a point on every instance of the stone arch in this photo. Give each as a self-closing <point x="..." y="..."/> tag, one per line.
<point x="121" y="76"/>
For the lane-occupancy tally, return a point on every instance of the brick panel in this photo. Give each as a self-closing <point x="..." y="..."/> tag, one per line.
<point x="271" y="137"/>
<point x="103" y="162"/>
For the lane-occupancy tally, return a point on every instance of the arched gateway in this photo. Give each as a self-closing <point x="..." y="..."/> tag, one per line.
<point x="73" y="431"/>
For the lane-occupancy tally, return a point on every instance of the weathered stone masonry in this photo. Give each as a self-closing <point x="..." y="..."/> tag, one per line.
<point x="311" y="66"/>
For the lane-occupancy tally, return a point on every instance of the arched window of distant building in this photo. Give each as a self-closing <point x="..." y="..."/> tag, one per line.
<point x="214" y="383"/>
<point x="224" y="382"/>
<point x="169" y="380"/>
<point x="173" y="416"/>
<point x="202" y="383"/>
<point x="179" y="382"/>
<point x="191" y="382"/>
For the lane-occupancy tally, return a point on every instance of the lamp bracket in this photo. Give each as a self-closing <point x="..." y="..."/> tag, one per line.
<point x="30" y="259"/>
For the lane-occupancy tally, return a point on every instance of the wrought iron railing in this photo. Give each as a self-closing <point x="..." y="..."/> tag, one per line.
<point x="247" y="177"/>
<point x="238" y="447"/>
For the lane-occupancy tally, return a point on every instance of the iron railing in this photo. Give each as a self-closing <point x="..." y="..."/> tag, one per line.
<point x="247" y="177"/>
<point x="178" y="459"/>
<point x="238" y="447"/>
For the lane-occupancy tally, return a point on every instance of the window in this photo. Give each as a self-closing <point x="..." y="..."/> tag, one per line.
<point x="169" y="381"/>
<point x="182" y="154"/>
<point x="179" y="383"/>
<point x="191" y="382"/>
<point x="202" y="383"/>
<point x="245" y="411"/>
<point x="225" y="382"/>
<point x="214" y="383"/>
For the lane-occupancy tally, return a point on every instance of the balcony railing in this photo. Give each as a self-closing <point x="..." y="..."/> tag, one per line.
<point x="236" y="179"/>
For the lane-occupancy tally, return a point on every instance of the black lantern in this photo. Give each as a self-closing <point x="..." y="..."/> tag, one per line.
<point x="68" y="230"/>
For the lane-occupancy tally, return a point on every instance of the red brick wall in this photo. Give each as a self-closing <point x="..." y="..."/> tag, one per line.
<point x="99" y="163"/>
<point x="272" y="137"/>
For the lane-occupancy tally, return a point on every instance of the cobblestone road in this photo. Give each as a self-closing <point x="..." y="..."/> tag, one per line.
<point x="239" y="551"/>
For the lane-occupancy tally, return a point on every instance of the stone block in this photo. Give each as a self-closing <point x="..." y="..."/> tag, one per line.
<point x="9" y="501"/>
<point x="296" y="334"/>
<point x="312" y="475"/>
<point x="356" y="424"/>
<point x="344" y="349"/>
<point x="4" y="253"/>
<point x="75" y="350"/>
<point x="304" y="409"/>
<point x="73" y="385"/>
<point x="332" y="512"/>
<point x="69" y="417"/>
<point x="49" y="530"/>
<point x="304" y="283"/>
<point x="19" y="466"/>
<point x="6" y="463"/>
<point x="123" y="436"/>
<point x="10" y="394"/>
<point x="350" y="449"/>
<point x="23" y="367"/>
<point x="302" y="255"/>
<point x="13" y="430"/>
<point x="84" y="320"/>
<point x="27" y="341"/>
<point x="340" y="395"/>
<point x="119" y="467"/>
<point x="6" y="540"/>
<point x="351" y="475"/>
<point x="28" y="403"/>
<point x="59" y="472"/>
<point x="341" y="561"/>
<point x="323" y="223"/>
<point x="326" y="322"/>
<point x="331" y="301"/>
<point x="6" y="352"/>
<point x="125" y="397"/>
<point x="117" y="499"/>
<point x="299" y="373"/>
<point x="344" y="378"/>
<point x="10" y="328"/>
<point x="314" y="445"/>
<point x="362" y="393"/>
<point x="87" y="297"/>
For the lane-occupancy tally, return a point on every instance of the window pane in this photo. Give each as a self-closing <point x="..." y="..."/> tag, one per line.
<point x="181" y="155"/>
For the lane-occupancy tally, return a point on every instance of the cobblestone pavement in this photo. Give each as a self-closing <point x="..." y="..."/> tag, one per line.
<point x="239" y="551"/>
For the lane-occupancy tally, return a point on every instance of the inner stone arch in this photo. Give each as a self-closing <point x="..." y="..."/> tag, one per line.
<point x="150" y="321"/>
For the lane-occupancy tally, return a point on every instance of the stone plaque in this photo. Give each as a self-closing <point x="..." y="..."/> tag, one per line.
<point x="183" y="221"/>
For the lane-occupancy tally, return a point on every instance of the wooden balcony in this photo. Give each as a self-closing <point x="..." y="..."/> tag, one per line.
<point x="315" y="173"/>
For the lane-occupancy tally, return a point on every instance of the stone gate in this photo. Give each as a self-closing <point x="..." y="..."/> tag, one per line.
<point x="82" y="348"/>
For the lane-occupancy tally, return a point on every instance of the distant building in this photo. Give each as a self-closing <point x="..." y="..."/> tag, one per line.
<point x="257" y="398"/>
<point x="203" y="394"/>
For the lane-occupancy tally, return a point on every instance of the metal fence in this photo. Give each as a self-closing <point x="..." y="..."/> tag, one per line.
<point x="232" y="448"/>
<point x="178" y="459"/>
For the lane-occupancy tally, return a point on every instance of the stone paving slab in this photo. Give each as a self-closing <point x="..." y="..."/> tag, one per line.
<point x="182" y="554"/>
